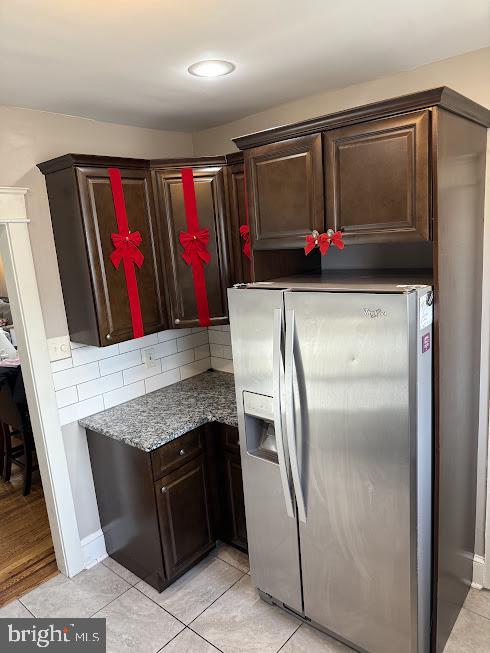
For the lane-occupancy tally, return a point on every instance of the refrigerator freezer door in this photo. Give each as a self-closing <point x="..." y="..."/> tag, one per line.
<point x="352" y="408"/>
<point x="272" y="534"/>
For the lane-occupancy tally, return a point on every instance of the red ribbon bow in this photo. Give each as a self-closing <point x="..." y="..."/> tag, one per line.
<point x="194" y="244"/>
<point x="245" y="235"/>
<point x="323" y="241"/>
<point x="126" y="247"/>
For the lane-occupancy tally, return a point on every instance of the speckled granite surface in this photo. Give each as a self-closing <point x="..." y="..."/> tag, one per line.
<point x="157" y="418"/>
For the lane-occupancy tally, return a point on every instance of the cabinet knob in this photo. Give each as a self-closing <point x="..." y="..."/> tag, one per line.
<point x="182" y="452"/>
<point x="163" y="489"/>
<point x="108" y="336"/>
<point x="177" y="321"/>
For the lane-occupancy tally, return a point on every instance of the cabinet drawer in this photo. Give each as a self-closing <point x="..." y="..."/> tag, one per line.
<point x="174" y="454"/>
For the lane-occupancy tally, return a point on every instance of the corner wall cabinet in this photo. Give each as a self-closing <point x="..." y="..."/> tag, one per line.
<point x="209" y="185"/>
<point x="84" y="218"/>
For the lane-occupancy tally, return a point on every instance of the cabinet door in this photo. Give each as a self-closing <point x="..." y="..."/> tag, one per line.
<point x="285" y="192"/>
<point x="377" y="179"/>
<point x="211" y="209"/>
<point x="109" y="284"/>
<point x="235" y="185"/>
<point x="237" y="526"/>
<point x="183" y="512"/>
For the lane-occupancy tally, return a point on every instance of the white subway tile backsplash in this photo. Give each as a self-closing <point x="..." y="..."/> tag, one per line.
<point x="186" y="371"/>
<point x="138" y="343"/>
<point x="84" y="355"/>
<point x="126" y="393"/>
<point x="119" y="363"/>
<point x="75" y="375"/>
<point x="66" y="397"/>
<point x="99" y="386"/>
<point x="220" y="338"/>
<point x="194" y="340"/>
<point x="177" y="360"/>
<point x="227" y="353"/>
<point x="201" y="352"/>
<point x="165" y="348"/>
<point x="94" y="378"/>
<point x="141" y="372"/>
<point x="216" y="350"/>
<point x="222" y="364"/>
<point x="75" y="412"/>
<point x="172" y="333"/>
<point x="162" y="380"/>
<point x="64" y="364"/>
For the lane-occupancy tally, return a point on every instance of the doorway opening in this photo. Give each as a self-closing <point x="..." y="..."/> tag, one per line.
<point x="27" y="555"/>
<point x="50" y="494"/>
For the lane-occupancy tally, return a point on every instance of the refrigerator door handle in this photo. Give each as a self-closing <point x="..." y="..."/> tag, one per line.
<point x="277" y="391"/>
<point x="289" y="409"/>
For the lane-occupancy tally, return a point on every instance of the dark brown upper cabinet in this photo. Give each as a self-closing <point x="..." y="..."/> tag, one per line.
<point x="209" y="183"/>
<point x="83" y="217"/>
<point x="235" y="190"/>
<point x="285" y="192"/>
<point x="377" y="179"/>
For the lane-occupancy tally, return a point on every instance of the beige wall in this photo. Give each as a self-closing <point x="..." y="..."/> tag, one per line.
<point x="28" y="137"/>
<point x="468" y="74"/>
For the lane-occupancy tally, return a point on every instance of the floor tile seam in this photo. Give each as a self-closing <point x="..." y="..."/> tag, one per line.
<point x="292" y="635"/>
<point x="216" y="599"/>
<point x="117" y="573"/>
<point x="231" y="564"/>
<point x="192" y="631"/>
<point x="478" y="614"/>
<point x="160" y="606"/>
<point x="111" y="601"/>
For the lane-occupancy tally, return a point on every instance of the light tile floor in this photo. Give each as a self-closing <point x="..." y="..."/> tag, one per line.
<point x="214" y="607"/>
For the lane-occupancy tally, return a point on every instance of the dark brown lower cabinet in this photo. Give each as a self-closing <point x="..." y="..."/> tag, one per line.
<point x="183" y="512"/>
<point x="162" y="511"/>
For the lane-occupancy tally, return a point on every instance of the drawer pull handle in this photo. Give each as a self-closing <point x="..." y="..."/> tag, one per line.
<point x="163" y="489"/>
<point x="177" y="321"/>
<point x="182" y="452"/>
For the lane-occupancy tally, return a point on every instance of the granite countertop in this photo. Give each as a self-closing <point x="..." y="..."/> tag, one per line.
<point x="159" y="417"/>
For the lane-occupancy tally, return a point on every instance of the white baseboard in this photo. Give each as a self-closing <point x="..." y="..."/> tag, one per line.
<point x="479" y="569"/>
<point x="93" y="547"/>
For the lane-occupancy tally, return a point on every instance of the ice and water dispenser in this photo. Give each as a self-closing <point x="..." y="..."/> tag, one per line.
<point x="259" y="426"/>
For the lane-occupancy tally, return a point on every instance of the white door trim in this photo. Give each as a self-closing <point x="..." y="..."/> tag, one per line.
<point x="16" y="253"/>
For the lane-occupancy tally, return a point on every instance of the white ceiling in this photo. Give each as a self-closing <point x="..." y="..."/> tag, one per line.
<point x="125" y="61"/>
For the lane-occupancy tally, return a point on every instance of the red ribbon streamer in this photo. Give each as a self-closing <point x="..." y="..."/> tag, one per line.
<point x="245" y="228"/>
<point x="195" y="241"/>
<point x="126" y="250"/>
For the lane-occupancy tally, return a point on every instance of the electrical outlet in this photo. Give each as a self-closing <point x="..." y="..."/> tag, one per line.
<point x="149" y="359"/>
<point x="59" y="348"/>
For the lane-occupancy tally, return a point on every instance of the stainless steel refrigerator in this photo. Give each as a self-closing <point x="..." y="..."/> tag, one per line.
<point x="334" y="394"/>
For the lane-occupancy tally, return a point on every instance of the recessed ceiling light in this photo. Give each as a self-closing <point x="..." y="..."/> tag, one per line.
<point x="211" y="68"/>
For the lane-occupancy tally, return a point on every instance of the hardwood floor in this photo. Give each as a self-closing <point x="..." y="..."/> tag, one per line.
<point x="26" y="549"/>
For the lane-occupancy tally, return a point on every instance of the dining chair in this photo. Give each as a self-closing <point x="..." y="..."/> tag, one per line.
<point x="17" y="425"/>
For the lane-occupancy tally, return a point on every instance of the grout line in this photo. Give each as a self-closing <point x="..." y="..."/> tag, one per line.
<point x="290" y="636"/>
<point x="111" y="601"/>
<point x="216" y="599"/>
<point x="158" y="604"/>
<point x="478" y="614"/>
<point x="117" y="573"/>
